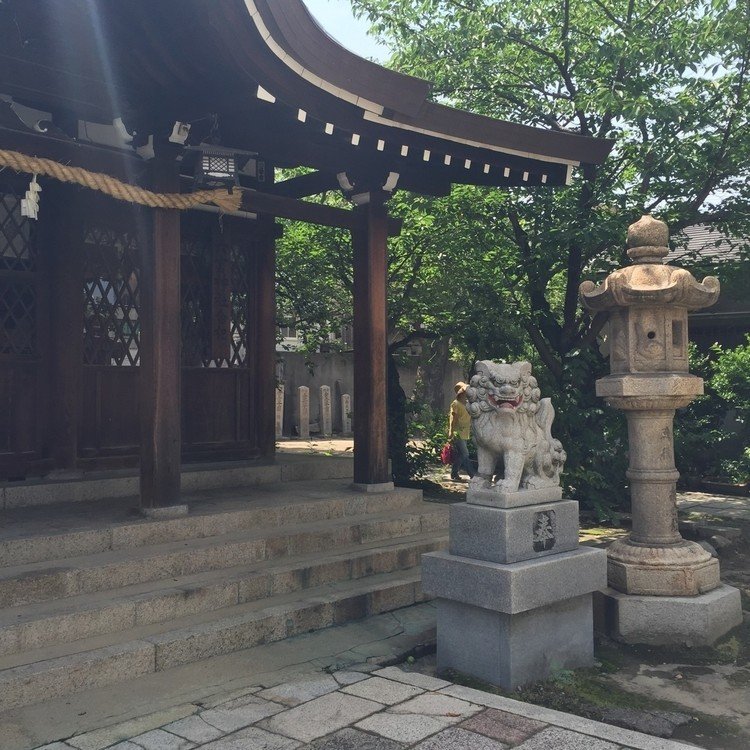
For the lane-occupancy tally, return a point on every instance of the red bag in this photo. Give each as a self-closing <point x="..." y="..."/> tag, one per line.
<point x="446" y="455"/>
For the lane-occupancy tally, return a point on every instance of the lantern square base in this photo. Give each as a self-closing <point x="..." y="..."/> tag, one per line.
<point x="667" y="620"/>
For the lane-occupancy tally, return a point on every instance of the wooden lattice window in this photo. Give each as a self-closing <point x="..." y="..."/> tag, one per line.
<point x="111" y="331"/>
<point x="18" y="293"/>
<point x="215" y="299"/>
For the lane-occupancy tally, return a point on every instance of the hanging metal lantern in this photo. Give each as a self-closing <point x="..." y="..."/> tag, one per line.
<point x="216" y="169"/>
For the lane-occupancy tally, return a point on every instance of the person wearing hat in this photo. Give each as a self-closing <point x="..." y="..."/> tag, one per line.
<point x="459" y="430"/>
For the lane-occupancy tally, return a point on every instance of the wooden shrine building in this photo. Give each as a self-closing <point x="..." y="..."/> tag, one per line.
<point x="137" y="334"/>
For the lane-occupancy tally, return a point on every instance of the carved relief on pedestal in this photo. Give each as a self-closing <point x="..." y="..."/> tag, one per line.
<point x="544" y="530"/>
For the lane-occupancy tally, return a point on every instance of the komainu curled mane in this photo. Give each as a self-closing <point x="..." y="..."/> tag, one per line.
<point x="511" y="421"/>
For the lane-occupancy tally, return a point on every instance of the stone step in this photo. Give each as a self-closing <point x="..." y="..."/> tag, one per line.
<point x="113" y="569"/>
<point x="195" y="477"/>
<point x="105" y="660"/>
<point x="63" y="621"/>
<point x="36" y="534"/>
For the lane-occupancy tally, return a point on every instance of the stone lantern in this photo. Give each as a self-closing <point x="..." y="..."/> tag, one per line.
<point x="663" y="588"/>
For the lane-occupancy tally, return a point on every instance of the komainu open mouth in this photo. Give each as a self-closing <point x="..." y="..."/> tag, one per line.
<point x="504" y="403"/>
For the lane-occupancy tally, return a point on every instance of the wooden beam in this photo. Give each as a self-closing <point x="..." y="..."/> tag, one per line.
<point x="160" y="348"/>
<point x="314" y="213"/>
<point x="370" y="239"/>
<point x="305" y="185"/>
<point x="120" y="164"/>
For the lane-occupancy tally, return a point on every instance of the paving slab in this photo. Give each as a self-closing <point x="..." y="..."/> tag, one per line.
<point x="344" y="677"/>
<point x="354" y="739"/>
<point x="239" y="713"/>
<point x="436" y="704"/>
<point x="383" y="691"/>
<point x="252" y="738"/>
<point x="459" y="739"/>
<point x="300" y="691"/>
<point x="501" y="725"/>
<point x="109" y="735"/>
<point x="195" y="729"/>
<point x="412" y="678"/>
<point x="407" y="728"/>
<point x="321" y="716"/>
<point x="554" y="738"/>
<point x="56" y="746"/>
<point x="158" y="739"/>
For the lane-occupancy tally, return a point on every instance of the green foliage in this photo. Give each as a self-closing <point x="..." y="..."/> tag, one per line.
<point x="712" y="435"/>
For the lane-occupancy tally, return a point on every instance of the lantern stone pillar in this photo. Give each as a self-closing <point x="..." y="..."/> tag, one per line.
<point x="662" y="588"/>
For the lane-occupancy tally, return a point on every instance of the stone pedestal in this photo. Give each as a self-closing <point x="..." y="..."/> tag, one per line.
<point x="514" y="590"/>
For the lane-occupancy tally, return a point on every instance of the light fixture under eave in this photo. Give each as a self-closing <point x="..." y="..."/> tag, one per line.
<point x="329" y="128"/>
<point x="216" y="169"/>
<point x="404" y="150"/>
<point x="447" y="160"/>
<point x="506" y="172"/>
<point x="301" y="115"/>
<point x="467" y="164"/>
<point x="381" y="145"/>
<point x="355" y="139"/>
<point x="486" y="168"/>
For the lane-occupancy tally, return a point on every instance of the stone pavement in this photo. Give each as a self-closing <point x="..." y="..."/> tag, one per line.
<point x="388" y="709"/>
<point x="724" y="506"/>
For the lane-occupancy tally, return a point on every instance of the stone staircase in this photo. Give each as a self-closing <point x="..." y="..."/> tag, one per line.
<point x="92" y="594"/>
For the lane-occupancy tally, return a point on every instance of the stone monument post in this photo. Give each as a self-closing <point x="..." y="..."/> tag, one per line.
<point x="346" y="414"/>
<point x="663" y="588"/>
<point x="514" y="591"/>
<point x="303" y="411"/>
<point x="279" y="410"/>
<point x="326" y="429"/>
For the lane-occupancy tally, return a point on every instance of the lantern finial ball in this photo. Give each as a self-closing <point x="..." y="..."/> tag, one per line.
<point x="648" y="240"/>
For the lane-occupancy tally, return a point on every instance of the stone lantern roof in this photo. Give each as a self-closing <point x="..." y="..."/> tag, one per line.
<point x="649" y="281"/>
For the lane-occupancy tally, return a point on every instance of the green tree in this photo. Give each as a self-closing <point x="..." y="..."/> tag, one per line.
<point x="666" y="79"/>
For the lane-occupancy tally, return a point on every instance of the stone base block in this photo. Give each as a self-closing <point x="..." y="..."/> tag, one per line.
<point x="493" y="497"/>
<point x="512" y="535"/>
<point x="374" y="488"/>
<point x="515" y="588"/>
<point x="513" y="650"/>
<point x="165" y="512"/>
<point x="668" y="620"/>
<point x="685" y="569"/>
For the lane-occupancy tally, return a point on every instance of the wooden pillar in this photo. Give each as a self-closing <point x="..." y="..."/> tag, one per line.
<point x="370" y="241"/>
<point x="265" y="336"/>
<point x="160" y="349"/>
<point x="63" y="242"/>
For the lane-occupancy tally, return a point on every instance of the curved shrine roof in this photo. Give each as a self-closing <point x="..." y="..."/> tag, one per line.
<point x="272" y="82"/>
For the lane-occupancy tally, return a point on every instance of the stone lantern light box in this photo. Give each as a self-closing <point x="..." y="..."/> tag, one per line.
<point x="648" y="304"/>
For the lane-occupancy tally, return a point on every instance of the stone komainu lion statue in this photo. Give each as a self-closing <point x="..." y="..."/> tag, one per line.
<point x="511" y="422"/>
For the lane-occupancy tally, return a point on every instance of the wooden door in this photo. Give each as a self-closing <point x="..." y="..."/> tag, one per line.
<point x="218" y="298"/>
<point x="22" y="335"/>
<point x="112" y="234"/>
